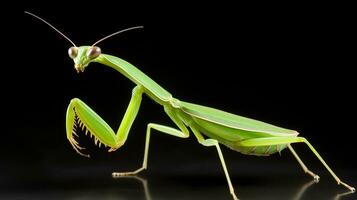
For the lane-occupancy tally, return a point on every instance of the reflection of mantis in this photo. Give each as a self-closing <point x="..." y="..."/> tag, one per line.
<point x="241" y="134"/>
<point x="143" y="181"/>
<point x="307" y="185"/>
<point x="298" y="196"/>
<point x="338" y="196"/>
<point x="303" y="189"/>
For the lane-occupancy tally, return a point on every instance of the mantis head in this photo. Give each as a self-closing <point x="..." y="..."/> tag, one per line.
<point x="83" y="55"/>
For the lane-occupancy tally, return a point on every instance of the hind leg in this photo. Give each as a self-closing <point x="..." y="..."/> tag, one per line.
<point x="213" y="142"/>
<point x="287" y="140"/>
<point x="303" y="166"/>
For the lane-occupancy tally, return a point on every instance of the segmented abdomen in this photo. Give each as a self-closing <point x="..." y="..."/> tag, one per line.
<point x="261" y="150"/>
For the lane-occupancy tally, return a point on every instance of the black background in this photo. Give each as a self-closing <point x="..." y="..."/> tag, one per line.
<point x="289" y="65"/>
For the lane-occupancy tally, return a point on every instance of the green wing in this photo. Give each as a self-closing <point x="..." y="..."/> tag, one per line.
<point x="232" y="121"/>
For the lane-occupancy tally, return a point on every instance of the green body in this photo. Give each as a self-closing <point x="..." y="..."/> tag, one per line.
<point x="231" y="129"/>
<point x="241" y="134"/>
<point x="227" y="128"/>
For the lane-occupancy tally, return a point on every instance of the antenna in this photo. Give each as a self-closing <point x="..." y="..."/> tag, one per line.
<point x="116" y="33"/>
<point x="51" y="27"/>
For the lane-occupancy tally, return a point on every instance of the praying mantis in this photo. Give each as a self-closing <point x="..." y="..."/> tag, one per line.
<point x="211" y="127"/>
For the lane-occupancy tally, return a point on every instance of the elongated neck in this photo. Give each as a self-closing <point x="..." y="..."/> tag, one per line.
<point x="134" y="74"/>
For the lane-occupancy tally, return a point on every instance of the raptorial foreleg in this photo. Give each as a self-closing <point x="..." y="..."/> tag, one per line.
<point x="81" y="116"/>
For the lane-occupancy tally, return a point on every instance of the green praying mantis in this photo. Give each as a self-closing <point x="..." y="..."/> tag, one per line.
<point x="211" y="127"/>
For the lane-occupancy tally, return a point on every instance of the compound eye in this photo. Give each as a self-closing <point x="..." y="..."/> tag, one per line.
<point x="72" y="52"/>
<point x="93" y="52"/>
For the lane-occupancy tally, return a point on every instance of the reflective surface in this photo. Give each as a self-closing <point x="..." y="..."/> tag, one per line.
<point x="95" y="182"/>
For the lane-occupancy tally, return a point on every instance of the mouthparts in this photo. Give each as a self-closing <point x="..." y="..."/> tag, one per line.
<point x="79" y="68"/>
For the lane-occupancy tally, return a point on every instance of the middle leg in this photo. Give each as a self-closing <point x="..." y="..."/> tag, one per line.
<point x="158" y="127"/>
<point x="182" y="133"/>
<point x="303" y="166"/>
